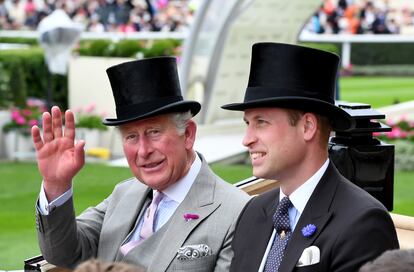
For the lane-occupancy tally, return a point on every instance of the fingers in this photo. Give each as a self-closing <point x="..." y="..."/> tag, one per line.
<point x="56" y="122"/>
<point x="79" y="154"/>
<point x="52" y="124"/>
<point x="37" y="140"/>
<point x="69" y="125"/>
<point x="47" y="127"/>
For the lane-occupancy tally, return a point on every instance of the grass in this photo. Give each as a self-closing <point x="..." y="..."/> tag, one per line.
<point x="20" y="185"/>
<point x="20" y="182"/>
<point x="377" y="91"/>
<point x="19" y="188"/>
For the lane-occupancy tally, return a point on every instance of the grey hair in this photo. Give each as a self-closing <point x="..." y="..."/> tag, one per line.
<point x="181" y="119"/>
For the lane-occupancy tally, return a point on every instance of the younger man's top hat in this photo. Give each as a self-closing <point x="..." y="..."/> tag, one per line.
<point x="145" y="88"/>
<point x="294" y="77"/>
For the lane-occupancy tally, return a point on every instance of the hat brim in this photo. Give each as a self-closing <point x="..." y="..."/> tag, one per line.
<point x="341" y="120"/>
<point x="181" y="106"/>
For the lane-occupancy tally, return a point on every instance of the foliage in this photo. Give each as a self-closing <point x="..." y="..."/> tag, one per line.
<point x="19" y="40"/>
<point x="26" y="75"/>
<point x="330" y="47"/>
<point x="402" y="137"/>
<point x="87" y="118"/>
<point x="373" y="53"/>
<point x="6" y="96"/>
<point x="404" y="155"/>
<point x="382" y="53"/>
<point x="401" y="129"/>
<point x="162" y="48"/>
<point x="17" y="83"/>
<point x="94" y="48"/>
<point x="129" y="48"/>
<point x="24" y="118"/>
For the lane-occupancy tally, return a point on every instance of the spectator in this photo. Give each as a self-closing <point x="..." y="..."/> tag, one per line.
<point x="360" y="17"/>
<point x="94" y="265"/>
<point x="114" y="15"/>
<point x="392" y="261"/>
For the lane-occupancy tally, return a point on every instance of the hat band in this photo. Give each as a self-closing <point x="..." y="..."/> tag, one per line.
<point x="138" y="109"/>
<point x="259" y="93"/>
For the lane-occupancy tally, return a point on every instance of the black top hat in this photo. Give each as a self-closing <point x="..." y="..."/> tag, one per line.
<point x="144" y="88"/>
<point x="296" y="77"/>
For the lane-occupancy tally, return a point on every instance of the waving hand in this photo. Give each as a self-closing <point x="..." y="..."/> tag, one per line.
<point x="59" y="159"/>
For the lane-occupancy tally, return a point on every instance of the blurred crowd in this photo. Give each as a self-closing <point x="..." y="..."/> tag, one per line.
<point x="102" y="15"/>
<point x="333" y="16"/>
<point x="363" y="17"/>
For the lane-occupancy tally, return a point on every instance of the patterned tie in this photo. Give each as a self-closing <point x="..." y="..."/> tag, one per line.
<point x="283" y="233"/>
<point x="147" y="228"/>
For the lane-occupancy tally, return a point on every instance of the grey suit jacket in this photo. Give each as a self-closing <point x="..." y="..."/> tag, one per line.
<point x="100" y="231"/>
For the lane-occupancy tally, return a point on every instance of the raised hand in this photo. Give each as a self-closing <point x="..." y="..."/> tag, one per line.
<point x="58" y="157"/>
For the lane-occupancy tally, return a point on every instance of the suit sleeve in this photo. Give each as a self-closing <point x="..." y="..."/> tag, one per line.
<point x="370" y="233"/>
<point x="226" y="253"/>
<point x="66" y="240"/>
<point x="235" y="261"/>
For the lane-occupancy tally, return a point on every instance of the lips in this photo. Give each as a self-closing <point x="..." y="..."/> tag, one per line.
<point x="151" y="165"/>
<point x="256" y="155"/>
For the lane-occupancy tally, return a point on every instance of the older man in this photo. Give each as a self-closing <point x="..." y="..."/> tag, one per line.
<point x="174" y="215"/>
<point x="317" y="220"/>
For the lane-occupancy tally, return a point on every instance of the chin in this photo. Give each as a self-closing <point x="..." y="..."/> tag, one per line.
<point x="261" y="174"/>
<point x="258" y="173"/>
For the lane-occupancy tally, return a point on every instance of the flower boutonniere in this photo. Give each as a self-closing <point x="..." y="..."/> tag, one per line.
<point x="190" y="216"/>
<point x="309" y="230"/>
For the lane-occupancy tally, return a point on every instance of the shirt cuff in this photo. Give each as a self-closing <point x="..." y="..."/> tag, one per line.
<point x="45" y="207"/>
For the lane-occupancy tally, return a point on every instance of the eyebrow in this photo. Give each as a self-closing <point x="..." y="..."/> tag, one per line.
<point x="255" y="117"/>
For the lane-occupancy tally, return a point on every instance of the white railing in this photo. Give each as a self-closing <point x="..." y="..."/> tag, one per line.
<point x="347" y="39"/>
<point x="104" y="35"/>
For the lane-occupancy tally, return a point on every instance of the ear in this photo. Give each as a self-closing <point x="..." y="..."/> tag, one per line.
<point x="310" y="126"/>
<point x="190" y="134"/>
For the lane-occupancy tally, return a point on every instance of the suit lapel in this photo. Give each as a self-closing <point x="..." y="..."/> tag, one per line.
<point x="265" y="228"/>
<point x="123" y="219"/>
<point x="316" y="212"/>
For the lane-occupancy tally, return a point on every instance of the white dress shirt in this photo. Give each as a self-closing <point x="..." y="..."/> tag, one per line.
<point x="299" y="198"/>
<point x="173" y="196"/>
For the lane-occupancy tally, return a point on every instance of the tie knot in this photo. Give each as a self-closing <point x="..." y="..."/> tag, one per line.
<point x="156" y="198"/>
<point x="284" y="205"/>
<point x="281" y="216"/>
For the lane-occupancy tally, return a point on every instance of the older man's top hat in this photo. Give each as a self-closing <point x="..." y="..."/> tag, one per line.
<point x="145" y="88"/>
<point x="294" y="77"/>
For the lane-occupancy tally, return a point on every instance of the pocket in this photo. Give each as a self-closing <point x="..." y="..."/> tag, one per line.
<point x="206" y="263"/>
<point x="309" y="268"/>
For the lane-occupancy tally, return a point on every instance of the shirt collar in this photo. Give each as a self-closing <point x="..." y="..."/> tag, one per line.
<point x="301" y="195"/>
<point x="179" y="190"/>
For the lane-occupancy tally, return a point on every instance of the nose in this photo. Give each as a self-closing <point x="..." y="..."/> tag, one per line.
<point x="249" y="137"/>
<point x="144" y="147"/>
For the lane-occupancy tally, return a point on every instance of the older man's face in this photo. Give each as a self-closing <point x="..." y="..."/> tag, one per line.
<point x="156" y="153"/>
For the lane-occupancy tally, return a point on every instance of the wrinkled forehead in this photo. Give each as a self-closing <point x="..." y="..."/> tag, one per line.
<point x="153" y="121"/>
